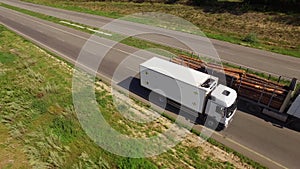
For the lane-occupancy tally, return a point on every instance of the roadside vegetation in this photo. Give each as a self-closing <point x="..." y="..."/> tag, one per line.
<point x="241" y="23"/>
<point x="39" y="127"/>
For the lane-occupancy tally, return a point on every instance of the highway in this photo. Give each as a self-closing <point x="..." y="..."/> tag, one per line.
<point x="252" y="134"/>
<point x="257" y="59"/>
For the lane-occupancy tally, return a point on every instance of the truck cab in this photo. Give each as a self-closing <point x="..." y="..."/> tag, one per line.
<point x="221" y="106"/>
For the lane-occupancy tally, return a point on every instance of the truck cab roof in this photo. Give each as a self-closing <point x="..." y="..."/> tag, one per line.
<point x="224" y="95"/>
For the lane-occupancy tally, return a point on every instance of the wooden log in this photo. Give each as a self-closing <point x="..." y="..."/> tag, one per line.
<point x="191" y="59"/>
<point x="278" y="88"/>
<point x="240" y="71"/>
<point x="264" y="80"/>
<point x="185" y="63"/>
<point x="264" y="99"/>
<point x="259" y="86"/>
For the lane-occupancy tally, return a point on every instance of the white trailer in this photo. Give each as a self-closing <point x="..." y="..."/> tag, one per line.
<point x="192" y="89"/>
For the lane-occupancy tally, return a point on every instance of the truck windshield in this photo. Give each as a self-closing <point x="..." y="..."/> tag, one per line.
<point x="230" y="110"/>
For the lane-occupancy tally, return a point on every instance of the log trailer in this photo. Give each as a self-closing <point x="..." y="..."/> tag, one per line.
<point x="276" y="100"/>
<point x="185" y="87"/>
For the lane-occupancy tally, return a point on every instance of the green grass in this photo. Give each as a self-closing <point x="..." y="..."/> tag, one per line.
<point x="223" y="30"/>
<point x="6" y="58"/>
<point x="37" y="110"/>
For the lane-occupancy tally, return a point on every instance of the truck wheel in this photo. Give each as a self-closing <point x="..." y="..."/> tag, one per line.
<point x="211" y="123"/>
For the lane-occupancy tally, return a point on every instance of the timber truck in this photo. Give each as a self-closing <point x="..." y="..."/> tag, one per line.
<point x="277" y="100"/>
<point x="194" y="90"/>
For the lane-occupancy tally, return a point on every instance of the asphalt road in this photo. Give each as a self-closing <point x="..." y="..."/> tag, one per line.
<point x="249" y="133"/>
<point x="257" y="59"/>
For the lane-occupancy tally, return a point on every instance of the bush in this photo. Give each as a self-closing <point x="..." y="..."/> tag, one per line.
<point x="251" y="38"/>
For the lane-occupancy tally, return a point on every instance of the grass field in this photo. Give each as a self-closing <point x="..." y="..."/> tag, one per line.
<point x="39" y="127"/>
<point x="277" y="32"/>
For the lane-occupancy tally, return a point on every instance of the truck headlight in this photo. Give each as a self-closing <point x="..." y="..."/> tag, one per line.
<point x="220" y="110"/>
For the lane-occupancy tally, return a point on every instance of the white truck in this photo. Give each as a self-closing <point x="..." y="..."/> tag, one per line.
<point x="197" y="91"/>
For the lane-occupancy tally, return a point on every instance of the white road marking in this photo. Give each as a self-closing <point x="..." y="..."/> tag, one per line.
<point x="100" y="32"/>
<point x="72" y="24"/>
